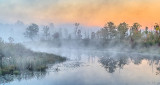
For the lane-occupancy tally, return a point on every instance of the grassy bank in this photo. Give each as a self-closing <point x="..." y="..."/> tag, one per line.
<point x="15" y="58"/>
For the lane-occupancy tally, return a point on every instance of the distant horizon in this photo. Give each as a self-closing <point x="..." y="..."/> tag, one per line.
<point x="72" y="24"/>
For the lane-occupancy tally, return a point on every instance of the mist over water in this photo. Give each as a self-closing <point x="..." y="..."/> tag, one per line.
<point x="92" y="67"/>
<point x="72" y="54"/>
<point x="79" y="42"/>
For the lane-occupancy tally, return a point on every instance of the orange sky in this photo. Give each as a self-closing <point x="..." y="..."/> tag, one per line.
<point x="87" y="12"/>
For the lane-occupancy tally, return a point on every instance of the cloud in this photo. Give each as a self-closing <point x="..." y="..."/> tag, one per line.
<point x="90" y="12"/>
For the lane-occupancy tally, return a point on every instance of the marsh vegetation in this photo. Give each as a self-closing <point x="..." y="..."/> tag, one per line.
<point x="15" y="59"/>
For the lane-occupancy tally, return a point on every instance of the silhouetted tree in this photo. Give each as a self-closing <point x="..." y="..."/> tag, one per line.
<point x="56" y="35"/>
<point x="156" y="27"/>
<point x="146" y="30"/>
<point x="46" y="32"/>
<point x="51" y="25"/>
<point x="157" y="34"/>
<point x="135" y="34"/>
<point x="122" y="30"/>
<point x="93" y="35"/>
<point x="79" y="35"/>
<point x="76" y="29"/>
<point x="31" y="31"/>
<point x="104" y="33"/>
<point x="112" y="29"/>
<point x="19" y="23"/>
<point x="136" y="26"/>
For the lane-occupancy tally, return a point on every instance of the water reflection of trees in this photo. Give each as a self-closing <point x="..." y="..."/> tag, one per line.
<point x="25" y="75"/>
<point x="111" y="63"/>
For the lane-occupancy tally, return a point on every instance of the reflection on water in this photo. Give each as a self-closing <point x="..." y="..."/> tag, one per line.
<point x="94" y="68"/>
<point x="23" y="76"/>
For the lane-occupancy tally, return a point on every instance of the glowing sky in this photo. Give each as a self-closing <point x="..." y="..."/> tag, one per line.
<point x="88" y="12"/>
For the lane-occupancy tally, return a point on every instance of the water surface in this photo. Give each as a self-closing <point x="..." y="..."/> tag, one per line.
<point x="94" y="68"/>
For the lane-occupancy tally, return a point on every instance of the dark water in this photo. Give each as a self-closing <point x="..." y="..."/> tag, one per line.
<point x="94" y="68"/>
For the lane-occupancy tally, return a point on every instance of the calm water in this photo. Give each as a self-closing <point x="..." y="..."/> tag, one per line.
<point x="94" y="68"/>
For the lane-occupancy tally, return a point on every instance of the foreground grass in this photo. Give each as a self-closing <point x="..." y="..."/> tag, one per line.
<point x="16" y="65"/>
<point x="15" y="59"/>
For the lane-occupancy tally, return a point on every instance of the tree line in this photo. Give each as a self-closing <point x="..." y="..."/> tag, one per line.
<point x="122" y="33"/>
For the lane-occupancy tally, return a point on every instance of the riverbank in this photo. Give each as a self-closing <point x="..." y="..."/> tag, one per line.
<point x="15" y="59"/>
